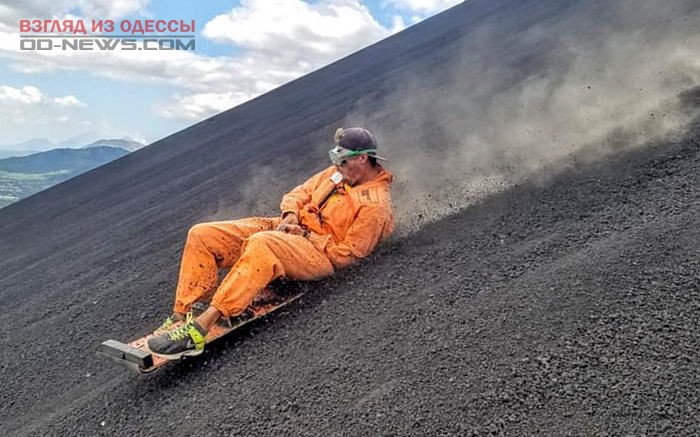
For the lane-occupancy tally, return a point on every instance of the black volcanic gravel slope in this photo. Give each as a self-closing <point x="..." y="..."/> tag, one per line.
<point x="565" y="307"/>
<point x="568" y="308"/>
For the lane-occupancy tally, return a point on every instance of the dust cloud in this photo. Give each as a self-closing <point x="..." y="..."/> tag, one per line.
<point x="594" y="80"/>
<point x="516" y="100"/>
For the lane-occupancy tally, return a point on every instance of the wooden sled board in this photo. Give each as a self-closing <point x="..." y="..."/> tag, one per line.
<point x="136" y="356"/>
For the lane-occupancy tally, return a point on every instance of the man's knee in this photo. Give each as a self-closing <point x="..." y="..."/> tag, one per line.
<point x="198" y="230"/>
<point x="259" y="240"/>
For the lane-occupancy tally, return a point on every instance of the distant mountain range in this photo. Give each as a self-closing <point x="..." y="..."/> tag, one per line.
<point x="123" y="143"/>
<point x="79" y="142"/>
<point x="22" y="176"/>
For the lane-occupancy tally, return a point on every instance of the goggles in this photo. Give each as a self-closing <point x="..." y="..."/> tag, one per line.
<point x="339" y="155"/>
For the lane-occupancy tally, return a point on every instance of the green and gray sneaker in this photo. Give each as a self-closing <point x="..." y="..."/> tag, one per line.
<point x="187" y="340"/>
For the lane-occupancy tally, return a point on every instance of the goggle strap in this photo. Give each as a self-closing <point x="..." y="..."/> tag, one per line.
<point x="359" y="152"/>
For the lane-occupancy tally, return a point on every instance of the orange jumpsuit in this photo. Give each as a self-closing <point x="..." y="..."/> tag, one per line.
<point x="344" y="223"/>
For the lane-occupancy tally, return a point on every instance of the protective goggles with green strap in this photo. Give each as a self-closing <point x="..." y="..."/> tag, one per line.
<point x="339" y="154"/>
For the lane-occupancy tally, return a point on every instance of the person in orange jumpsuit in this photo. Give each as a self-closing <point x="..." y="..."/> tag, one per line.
<point x="332" y="220"/>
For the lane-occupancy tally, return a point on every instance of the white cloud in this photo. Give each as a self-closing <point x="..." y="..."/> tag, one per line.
<point x="197" y="106"/>
<point x="423" y="6"/>
<point x="30" y="107"/>
<point x="68" y="101"/>
<point x="397" y="24"/>
<point x="140" y="139"/>
<point x="295" y="29"/>
<point x="26" y="95"/>
<point x="281" y="40"/>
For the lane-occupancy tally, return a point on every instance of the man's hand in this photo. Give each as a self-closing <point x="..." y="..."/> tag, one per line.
<point x="289" y="218"/>
<point x="290" y="225"/>
<point x="291" y="229"/>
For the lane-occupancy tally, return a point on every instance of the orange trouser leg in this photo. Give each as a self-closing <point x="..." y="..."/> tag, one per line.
<point x="209" y="247"/>
<point x="268" y="256"/>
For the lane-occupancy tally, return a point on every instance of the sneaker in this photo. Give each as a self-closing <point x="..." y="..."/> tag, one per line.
<point x="187" y="340"/>
<point x="168" y="324"/>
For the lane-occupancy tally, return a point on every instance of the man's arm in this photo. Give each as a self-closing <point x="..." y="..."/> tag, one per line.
<point x="294" y="200"/>
<point x="371" y="224"/>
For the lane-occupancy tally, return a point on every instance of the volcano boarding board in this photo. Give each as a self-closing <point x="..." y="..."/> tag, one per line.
<point x="136" y="356"/>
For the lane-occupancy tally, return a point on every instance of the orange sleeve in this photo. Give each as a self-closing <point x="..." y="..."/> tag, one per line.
<point x="294" y="200"/>
<point x="371" y="225"/>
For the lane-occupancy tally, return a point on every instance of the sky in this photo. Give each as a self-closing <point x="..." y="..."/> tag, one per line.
<point x="244" y="48"/>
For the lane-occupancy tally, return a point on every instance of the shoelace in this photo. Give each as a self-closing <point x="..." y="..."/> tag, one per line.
<point x="180" y="333"/>
<point x="183" y="331"/>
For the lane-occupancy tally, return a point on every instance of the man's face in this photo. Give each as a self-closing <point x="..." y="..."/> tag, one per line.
<point x="351" y="168"/>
